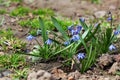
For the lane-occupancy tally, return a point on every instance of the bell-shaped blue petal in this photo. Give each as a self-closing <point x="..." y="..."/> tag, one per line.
<point x="116" y="32"/>
<point x="112" y="47"/>
<point x="79" y="28"/>
<point x="66" y="43"/>
<point x="82" y="19"/>
<point x="75" y="38"/>
<point x="80" y="56"/>
<point x="30" y="37"/>
<point x="48" y="42"/>
<point x="109" y="18"/>
<point x="70" y="28"/>
<point x="74" y="32"/>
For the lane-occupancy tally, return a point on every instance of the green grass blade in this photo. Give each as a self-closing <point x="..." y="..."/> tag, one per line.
<point x="2" y="21"/>
<point x="44" y="31"/>
<point x="84" y="25"/>
<point x="59" y="28"/>
<point x="63" y="49"/>
<point x="83" y="37"/>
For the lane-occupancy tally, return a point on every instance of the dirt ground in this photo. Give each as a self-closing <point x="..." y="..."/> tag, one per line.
<point x="72" y="9"/>
<point x="75" y="8"/>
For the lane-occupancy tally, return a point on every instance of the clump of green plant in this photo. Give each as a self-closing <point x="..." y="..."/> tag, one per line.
<point x="5" y="3"/>
<point x="20" y="74"/>
<point x="2" y="11"/>
<point x="6" y="33"/>
<point x="118" y="73"/>
<point x="81" y="43"/>
<point x="34" y="24"/>
<point x="1" y="21"/>
<point x="13" y="61"/>
<point x="20" y="11"/>
<point x="12" y="44"/>
<point x="18" y="1"/>
<point x="46" y="12"/>
<point x="9" y="43"/>
<point x="95" y="1"/>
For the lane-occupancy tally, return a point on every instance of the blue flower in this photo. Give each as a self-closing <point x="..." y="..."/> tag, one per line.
<point x="79" y="28"/>
<point x="70" y="28"/>
<point x="30" y="37"/>
<point x="82" y="19"/>
<point x="109" y="18"/>
<point x="48" y="42"/>
<point x="66" y="43"/>
<point x="96" y="25"/>
<point x="81" y="56"/>
<point x="75" y="38"/>
<point x="116" y="32"/>
<point x="74" y="32"/>
<point x="112" y="47"/>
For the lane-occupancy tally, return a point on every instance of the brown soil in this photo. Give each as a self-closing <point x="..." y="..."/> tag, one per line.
<point x="68" y="8"/>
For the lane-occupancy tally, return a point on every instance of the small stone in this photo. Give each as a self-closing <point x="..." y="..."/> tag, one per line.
<point x="7" y="73"/>
<point x="5" y="78"/>
<point x="116" y="58"/>
<point x="32" y="76"/>
<point x="30" y="15"/>
<point x="58" y="73"/>
<point x="71" y="78"/>
<point x="115" y="67"/>
<point x="117" y="77"/>
<point x="40" y="75"/>
<point x="100" y="14"/>
<point x="75" y="75"/>
<point x="107" y="79"/>
<point x="112" y="7"/>
<point x="44" y="75"/>
<point x="21" y="30"/>
<point x="105" y="60"/>
<point x="2" y="53"/>
<point x="1" y="75"/>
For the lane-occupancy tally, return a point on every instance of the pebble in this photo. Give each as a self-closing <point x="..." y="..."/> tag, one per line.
<point x="114" y="68"/>
<point x="5" y="78"/>
<point x="6" y="73"/>
<point x="105" y="60"/>
<point x="1" y="53"/>
<point x="112" y="7"/>
<point x="100" y="14"/>
<point x="1" y="75"/>
<point x="40" y="75"/>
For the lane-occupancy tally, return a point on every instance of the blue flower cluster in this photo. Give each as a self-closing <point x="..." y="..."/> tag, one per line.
<point x="74" y="31"/>
<point x="116" y="32"/>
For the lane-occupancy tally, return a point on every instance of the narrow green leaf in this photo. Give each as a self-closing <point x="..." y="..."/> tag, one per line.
<point x="59" y="28"/>
<point x="44" y="31"/>
<point x="2" y="21"/>
<point x="64" y="49"/>
<point x="83" y="37"/>
<point x="84" y="25"/>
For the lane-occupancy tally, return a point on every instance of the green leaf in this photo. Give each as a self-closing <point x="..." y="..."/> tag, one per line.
<point x="118" y="28"/>
<point x="83" y="37"/>
<point x="59" y="28"/>
<point x="2" y="21"/>
<point x="44" y="31"/>
<point x="84" y="25"/>
<point x="93" y="33"/>
<point x="64" y="49"/>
